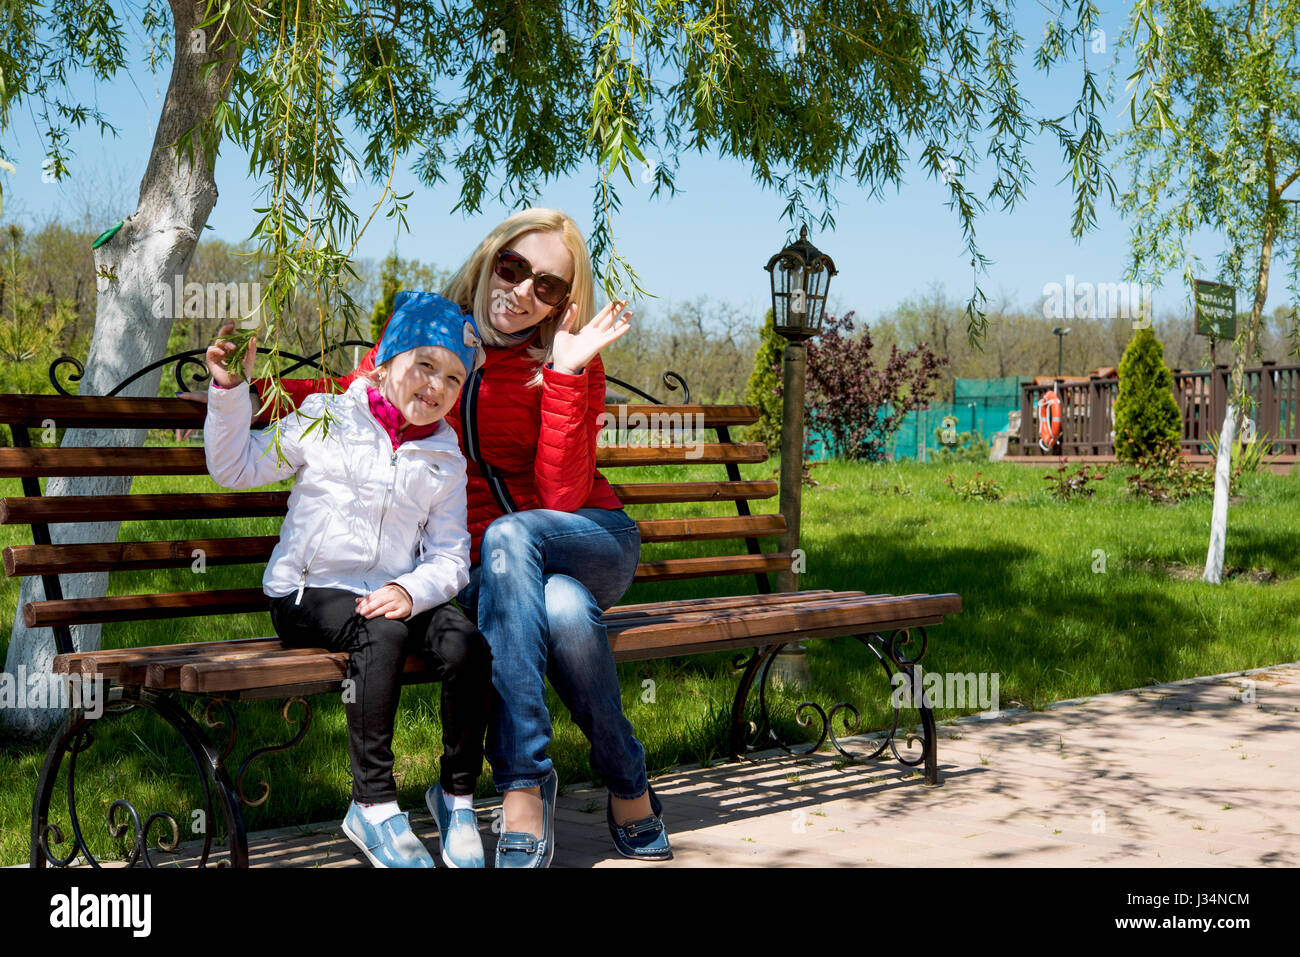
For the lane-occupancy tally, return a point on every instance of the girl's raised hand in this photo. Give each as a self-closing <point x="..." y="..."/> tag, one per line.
<point x="220" y="350"/>
<point x="572" y="351"/>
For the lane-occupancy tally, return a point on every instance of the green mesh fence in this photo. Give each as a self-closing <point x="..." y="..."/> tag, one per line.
<point x="982" y="405"/>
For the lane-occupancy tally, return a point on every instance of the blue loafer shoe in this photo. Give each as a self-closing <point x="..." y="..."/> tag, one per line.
<point x="517" y="849"/>
<point x="643" y="840"/>
<point x="457" y="831"/>
<point x="390" y="844"/>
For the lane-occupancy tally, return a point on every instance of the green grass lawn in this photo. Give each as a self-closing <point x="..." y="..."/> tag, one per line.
<point x="1061" y="600"/>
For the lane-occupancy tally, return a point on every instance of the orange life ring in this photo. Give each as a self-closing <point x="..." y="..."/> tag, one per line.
<point x="1049" y="420"/>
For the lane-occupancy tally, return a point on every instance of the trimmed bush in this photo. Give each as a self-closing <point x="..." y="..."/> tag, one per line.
<point x="764" y="388"/>
<point x="1146" y="415"/>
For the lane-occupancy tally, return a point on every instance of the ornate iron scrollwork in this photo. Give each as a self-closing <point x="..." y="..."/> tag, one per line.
<point x="57" y="364"/>
<point x="212" y="722"/>
<point x="272" y="749"/>
<point x="193" y="359"/>
<point x="671" y="380"/>
<point x="75" y="738"/>
<point x="749" y="736"/>
<point x="140" y="845"/>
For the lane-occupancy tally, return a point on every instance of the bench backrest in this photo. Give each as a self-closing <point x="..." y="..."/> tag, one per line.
<point x="661" y="442"/>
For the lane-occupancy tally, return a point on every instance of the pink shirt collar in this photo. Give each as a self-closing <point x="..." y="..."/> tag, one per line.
<point x="391" y="418"/>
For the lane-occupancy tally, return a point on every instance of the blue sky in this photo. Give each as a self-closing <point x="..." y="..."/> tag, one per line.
<point x="711" y="239"/>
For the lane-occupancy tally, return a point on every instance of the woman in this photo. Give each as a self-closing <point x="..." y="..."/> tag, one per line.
<point x="552" y="546"/>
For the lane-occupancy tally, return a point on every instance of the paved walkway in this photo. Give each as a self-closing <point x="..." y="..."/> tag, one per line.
<point x="1175" y="775"/>
<point x="1204" y="772"/>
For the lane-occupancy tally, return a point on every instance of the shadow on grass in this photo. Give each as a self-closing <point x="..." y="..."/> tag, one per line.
<point x="1108" y="632"/>
<point x="1256" y="547"/>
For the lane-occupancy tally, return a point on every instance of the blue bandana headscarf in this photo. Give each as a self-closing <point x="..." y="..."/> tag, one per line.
<point x="427" y="319"/>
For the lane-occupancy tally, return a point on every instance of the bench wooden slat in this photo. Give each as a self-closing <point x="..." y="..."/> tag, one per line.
<point x="747" y="627"/>
<point x="133" y="556"/>
<point x="164" y="674"/>
<point x="725" y="601"/>
<point x="647" y="493"/>
<point x="100" y="411"/>
<point x="191" y="505"/>
<point x="705" y="453"/>
<point x="693" y="644"/>
<point x="185" y="604"/>
<point x="138" y="508"/>
<point x="80" y="661"/>
<point x="753" y="611"/>
<point x="674" y="568"/>
<point x="42" y="463"/>
<point x="714" y="415"/>
<point x="210" y="676"/>
<point x="712" y="527"/>
<point x="128" y="665"/>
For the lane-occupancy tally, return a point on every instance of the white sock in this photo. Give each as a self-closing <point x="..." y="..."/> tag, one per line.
<point x="457" y="802"/>
<point x="376" y="814"/>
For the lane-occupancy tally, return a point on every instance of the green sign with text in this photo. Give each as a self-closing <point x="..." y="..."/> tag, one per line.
<point x="1216" y="309"/>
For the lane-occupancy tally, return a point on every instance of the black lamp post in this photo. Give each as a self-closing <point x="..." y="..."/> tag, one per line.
<point x="1060" y="332"/>
<point x="800" y="276"/>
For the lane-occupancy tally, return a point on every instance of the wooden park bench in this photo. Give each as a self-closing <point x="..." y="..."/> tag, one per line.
<point x="158" y="678"/>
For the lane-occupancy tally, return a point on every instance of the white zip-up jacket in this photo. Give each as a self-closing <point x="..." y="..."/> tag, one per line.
<point x="361" y="515"/>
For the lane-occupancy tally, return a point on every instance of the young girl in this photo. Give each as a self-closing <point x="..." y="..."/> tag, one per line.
<point x="373" y="548"/>
<point x="552" y="546"/>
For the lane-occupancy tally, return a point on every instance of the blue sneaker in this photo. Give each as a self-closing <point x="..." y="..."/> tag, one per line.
<point x="643" y="840"/>
<point x="390" y="844"/>
<point x="457" y="831"/>
<point x="517" y="849"/>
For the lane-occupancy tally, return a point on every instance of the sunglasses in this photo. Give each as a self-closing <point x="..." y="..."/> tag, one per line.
<point x="514" y="269"/>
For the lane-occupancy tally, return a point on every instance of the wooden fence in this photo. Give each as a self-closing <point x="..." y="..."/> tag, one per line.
<point x="1088" y="410"/>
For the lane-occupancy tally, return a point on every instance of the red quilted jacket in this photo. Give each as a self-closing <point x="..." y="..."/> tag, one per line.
<point x="541" y="441"/>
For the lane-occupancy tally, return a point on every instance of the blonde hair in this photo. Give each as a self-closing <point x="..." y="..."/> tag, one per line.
<point x="470" y="287"/>
<point x="372" y="375"/>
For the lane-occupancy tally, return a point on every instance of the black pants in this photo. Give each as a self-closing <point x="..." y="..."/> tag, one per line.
<point x="453" y="650"/>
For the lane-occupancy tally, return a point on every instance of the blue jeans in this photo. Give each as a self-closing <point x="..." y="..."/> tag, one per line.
<point x="543" y="580"/>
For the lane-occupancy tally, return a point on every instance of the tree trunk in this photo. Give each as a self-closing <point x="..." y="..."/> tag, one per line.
<point x="1222" y="476"/>
<point x="154" y="245"/>
<point x="1236" y="401"/>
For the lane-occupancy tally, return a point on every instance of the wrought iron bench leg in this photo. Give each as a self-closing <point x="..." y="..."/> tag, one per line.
<point x="741" y="728"/>
<point x="76" y="735"/>
<point x="930" y="747"/>
<point x="747" y="736"/>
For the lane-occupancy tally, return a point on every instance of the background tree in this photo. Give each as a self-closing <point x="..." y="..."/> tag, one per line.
<point x="1215" y="143"/>
<point x="30" y="325"/>
<point x="1019" y="340"/>
<point x="1146" y="414"/>
<point x="855" y="405"/>
<point x="394" y="275"/>
<point x="527" y="93"/>
<point x="389" y="287"/>
<point x="708" y="343"/>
